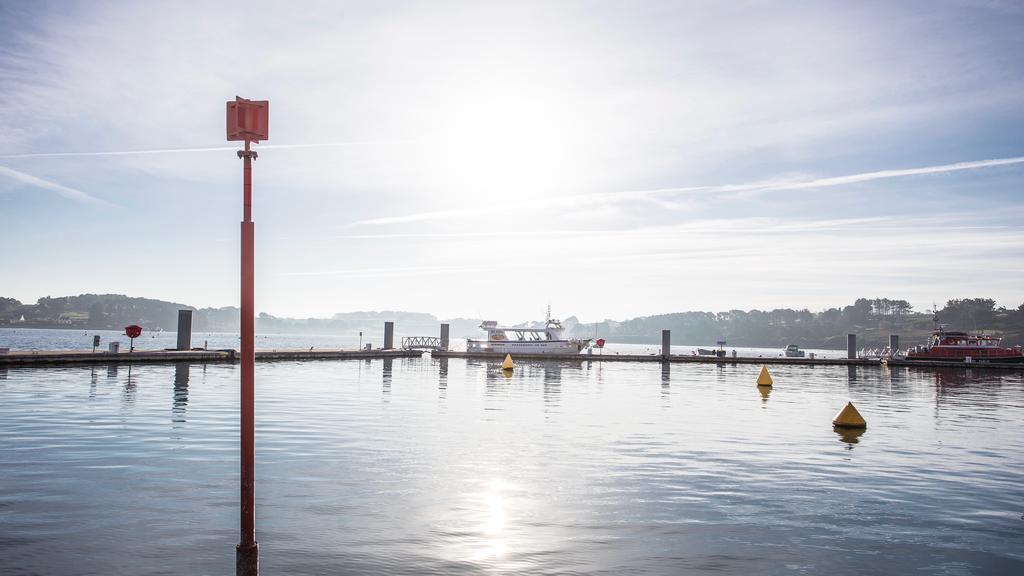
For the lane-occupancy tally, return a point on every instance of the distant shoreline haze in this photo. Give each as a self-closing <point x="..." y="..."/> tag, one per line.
<point x="871" y="319"/>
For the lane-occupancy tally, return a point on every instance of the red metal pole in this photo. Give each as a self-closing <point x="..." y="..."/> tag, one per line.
<point x="247" y="551"/>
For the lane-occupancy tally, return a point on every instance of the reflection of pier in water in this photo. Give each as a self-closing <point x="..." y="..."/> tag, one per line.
<point x="181" y="376"/>
<point x="386" y="374"/>
<point x="128" y="394"/>
<point x="666" y="380"/>
<point x="884" y="380"/>
<point x="978" y="387"/>
<point x="442" y="373"/>
<point x="549" y="373"/>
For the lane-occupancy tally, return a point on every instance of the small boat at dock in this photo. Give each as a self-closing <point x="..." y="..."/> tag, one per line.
<point x="521" y="340"/>
<point x="793" y="351"/>
<point x="717" y="352"/>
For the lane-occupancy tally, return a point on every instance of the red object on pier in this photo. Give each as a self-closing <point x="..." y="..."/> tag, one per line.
<point x="600" y="342"/>
<point x="248" y="120"/>
<point x="959" y="346"/>
<point x="132" y="332"/>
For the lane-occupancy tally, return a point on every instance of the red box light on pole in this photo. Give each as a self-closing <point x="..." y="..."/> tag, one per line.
<point x="248" y="120"/>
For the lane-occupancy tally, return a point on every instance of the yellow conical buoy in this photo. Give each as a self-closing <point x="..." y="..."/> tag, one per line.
<point x="764" y="378"/>
<point x="507" y="364"/>
<point x="848" y="417"/>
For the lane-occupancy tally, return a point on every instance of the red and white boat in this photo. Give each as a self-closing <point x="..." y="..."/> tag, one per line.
<point x="964" y="347"/>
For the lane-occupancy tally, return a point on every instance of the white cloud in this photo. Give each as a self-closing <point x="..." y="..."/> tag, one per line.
<point x="655" y="194"/>
<point x="708" y="264"/>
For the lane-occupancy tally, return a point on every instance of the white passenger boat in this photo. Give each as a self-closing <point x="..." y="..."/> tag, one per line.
<point x="517" y="340"/>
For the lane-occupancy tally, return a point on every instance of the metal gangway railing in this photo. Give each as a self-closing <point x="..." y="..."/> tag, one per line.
<point x="421" y="343"/>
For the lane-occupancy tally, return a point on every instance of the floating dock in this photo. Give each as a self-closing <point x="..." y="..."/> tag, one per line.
<point x="68" y="357"/>
<point x="684" y="359"/>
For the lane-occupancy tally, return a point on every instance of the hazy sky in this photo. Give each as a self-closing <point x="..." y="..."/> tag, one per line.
<point x="613" y="159"/>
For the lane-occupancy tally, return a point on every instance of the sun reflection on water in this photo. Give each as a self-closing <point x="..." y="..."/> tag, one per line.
<point x="492" y="527"/>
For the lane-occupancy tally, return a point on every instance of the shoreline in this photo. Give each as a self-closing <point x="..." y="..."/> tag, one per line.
<point x="72" y="357"/>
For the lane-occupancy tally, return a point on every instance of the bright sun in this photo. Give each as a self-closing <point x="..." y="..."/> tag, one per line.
<point x="506" y="144"/>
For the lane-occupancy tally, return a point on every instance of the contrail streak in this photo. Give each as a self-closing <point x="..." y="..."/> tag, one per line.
<point x="115" y="152"/>
<point x="402" y="271"/>
<point x="761" y="186"/>
<point x="65" y="191"/>
<point x="205" y="149"/>
<point x="882" y="174"/>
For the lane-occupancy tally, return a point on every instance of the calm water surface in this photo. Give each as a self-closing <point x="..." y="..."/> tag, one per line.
<point x="439" y="467"/>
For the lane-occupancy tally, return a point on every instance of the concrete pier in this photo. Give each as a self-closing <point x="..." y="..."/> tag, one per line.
<point x="851" y="346"/>
<point x="184" y="330"/>
<point x="66" y="357"/>
<point x="666" y="343"/>
<point x="688" y="359"/>
<point x="112" y="359"/>
<point x="389" y="335"/>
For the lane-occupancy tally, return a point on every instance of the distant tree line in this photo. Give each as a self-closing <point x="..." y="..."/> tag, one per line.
<point x="115" y="311"/>
<point x="871" y="319"/>
<point x="98" y="311"/>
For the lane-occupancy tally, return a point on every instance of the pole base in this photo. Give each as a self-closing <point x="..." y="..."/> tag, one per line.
<point x="247" y="559"/>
